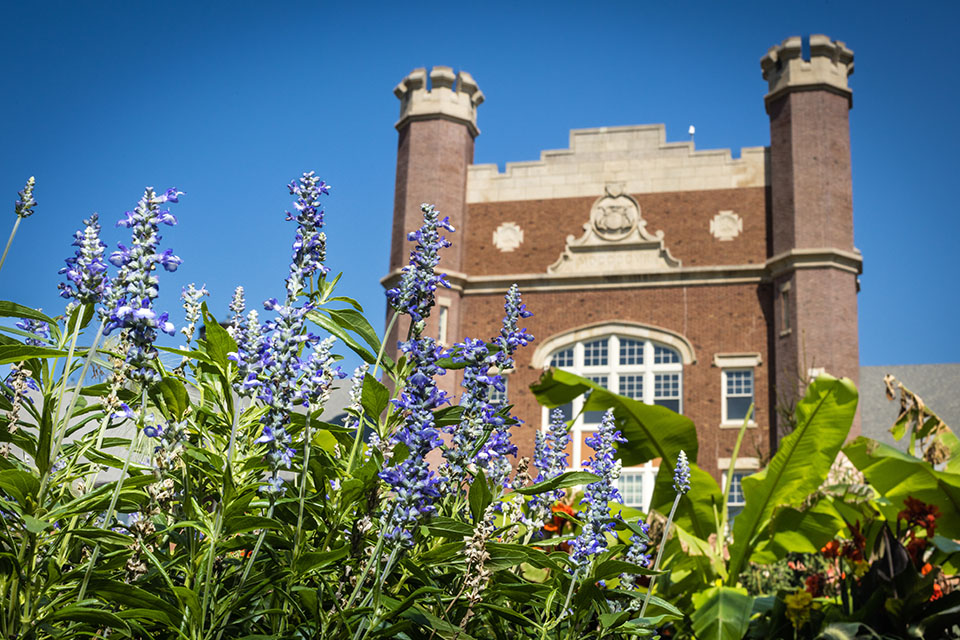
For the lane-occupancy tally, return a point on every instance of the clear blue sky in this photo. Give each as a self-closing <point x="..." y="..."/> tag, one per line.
<point x="228" y="101"/>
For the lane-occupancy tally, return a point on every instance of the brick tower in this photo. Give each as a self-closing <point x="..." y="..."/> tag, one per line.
<point x="437" y="127"/>
<point x="813" y="262"/>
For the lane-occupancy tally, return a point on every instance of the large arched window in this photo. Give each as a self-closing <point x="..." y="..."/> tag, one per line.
<point x="632" y="360"/>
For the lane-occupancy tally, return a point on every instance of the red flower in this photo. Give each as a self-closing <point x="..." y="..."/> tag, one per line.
<point x="831" y="550"/>
<point x="814" y="584"/>
<point x="918" y="513"/>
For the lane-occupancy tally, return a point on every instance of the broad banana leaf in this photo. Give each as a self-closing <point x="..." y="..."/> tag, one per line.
<point x="800" y="465"/>
<point x="897" y="475"/>
<point x="721" y="613"/>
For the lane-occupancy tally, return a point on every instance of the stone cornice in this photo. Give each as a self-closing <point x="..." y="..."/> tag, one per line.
<point x="851" y="262"/>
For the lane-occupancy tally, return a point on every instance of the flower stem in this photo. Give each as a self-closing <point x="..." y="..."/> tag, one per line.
<point x="663" y="543"/>
<point x="10" y="241"/>
<point x="134" y="443"/>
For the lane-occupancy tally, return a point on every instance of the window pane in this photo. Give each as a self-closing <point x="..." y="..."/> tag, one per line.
<point x="631" y="351"/>
<point x="594" y="417"/>
<point x="664" y="355"/>
<point x="736" y="489"/>
<point x="631" y="488"/>
<point x="631" y="386"/>
<point x="666" y="385"/>
<point x="737" y="407"/>
<point x="673" y="405"/>
<point x="563" y="358"/>
<point x="499" y="398"/>
<point x="595" y="353"/>
<point x="740" y="383"/>
<point x="567" y="410"/>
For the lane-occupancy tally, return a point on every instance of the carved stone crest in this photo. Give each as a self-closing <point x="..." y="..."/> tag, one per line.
<point x="614" y="215"/>
<point x="726" y="225"/>
<point x="615" y="240"/>
<point x="508" y="236"/>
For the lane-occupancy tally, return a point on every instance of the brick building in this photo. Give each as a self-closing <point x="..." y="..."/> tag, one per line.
<point x="683" y="277"/>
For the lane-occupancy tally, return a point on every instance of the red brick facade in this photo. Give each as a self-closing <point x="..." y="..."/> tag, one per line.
<point x="725" y="292"/>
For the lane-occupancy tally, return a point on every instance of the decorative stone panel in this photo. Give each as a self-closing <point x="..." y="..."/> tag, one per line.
<point x="726" y="225"/>
<point x="508" y="236"/>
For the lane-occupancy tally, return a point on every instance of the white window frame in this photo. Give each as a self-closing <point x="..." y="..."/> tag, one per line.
<point x="443" y="321"/>
<point x="729" y="362"/>
<point x="613" y="371"/>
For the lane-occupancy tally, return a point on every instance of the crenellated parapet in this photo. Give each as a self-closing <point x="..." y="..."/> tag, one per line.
<point x="449" y="96"/>
<point x="830" y="63"/>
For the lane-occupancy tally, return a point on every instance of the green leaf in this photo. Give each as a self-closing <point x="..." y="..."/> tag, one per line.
<point x="82" y="314"/>
<point x="562" y="481"/>
<point x="610" y="568"/>
<point x="800" y="465"/>
<point x="10" y="353"/>
<point x="131" y="596"/>
<point x="76" y="613"/>
<point x="19" y="485"/>
<point x="353" y="320"/>
<point x="479" y="496"/>
<point x="14" y="310"/>
<point x="217" y="340"/>
<point x="795" y="531"/>
<point x="36" y="525"/>
<point x="446" y="527"/>
<point x="171" y="397"/>
<point x="897" y="475"/>
<point x="374" y="397"/>
<point x="335" y="329"/>
<point x="721" y="613"/>
<point x="242" y="524"/>
<point x="320" y="559"/>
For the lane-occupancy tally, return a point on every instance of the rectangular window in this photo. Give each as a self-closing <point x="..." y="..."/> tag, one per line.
<point x="631" y="351"/>
<point x="594" y="417"/>
<point x="736" y="501"/>
<point x="630" y="484"/>
<point x="666" y="390"/>
<point x="785" y="308"/>
<point x="664" y="355"/>
<point x="738" y="392"/>
<point x="563" y="359"/>
<point x="632" y="386"/>
<point x="499" y="398"/>
<point x="442" y="324"/>
<point x="595" y="353"/>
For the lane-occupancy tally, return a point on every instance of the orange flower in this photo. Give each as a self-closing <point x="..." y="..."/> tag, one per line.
<point x="831" y="549"/>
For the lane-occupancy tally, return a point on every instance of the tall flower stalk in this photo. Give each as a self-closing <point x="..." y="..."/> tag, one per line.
<point x="23" y="209"/>
<point x="550" y="458"/>
<point x="681" y="484"/>
<point x="130" y="297"/>
<point x="417" y="487"/>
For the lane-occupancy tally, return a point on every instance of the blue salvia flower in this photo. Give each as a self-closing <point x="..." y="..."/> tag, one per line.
<point x="493" y="457"/>
<point x="550" y="458"/>
<point x="237" y="305"/>
<point x="38" y="328"/>
<point x="192" y="307"/>
<point x="681" y="474"/>
<point x="24" y="206"/>
<point x="319" y="373"/>
<point x="129" y="298"/>
<point x="598" y="495"/>
<point x="310" y="243"/>
<point x="415" y="485"/>
<point x="281" y="368"/>
<point x="86" y="271"/>
<point x="637" y="554"/>
<point x="418" y="280"/>
<point x="249" y="354"/>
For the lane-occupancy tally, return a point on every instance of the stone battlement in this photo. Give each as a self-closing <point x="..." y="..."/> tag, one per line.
<point x="449" y="96"/>
<point x="830" y="63"/>
<point x="637" y="157"/>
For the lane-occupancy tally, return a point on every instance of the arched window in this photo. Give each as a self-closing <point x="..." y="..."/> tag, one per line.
<point x="632" y="360"/>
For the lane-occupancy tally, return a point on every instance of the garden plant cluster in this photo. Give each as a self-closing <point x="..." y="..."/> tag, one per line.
<point x="210" y="500"/>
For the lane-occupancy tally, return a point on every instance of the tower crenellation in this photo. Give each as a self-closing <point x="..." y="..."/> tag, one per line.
<point x="449" y="96"/>
<point x="828" y="66"/>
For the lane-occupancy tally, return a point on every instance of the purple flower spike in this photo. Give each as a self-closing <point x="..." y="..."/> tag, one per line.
<point x="128" y="301"/>
<point x="24" y="206"/>
<point x="38" y="328"/>
<point x="598" y="495"/>
<point x="86" y="271"/>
